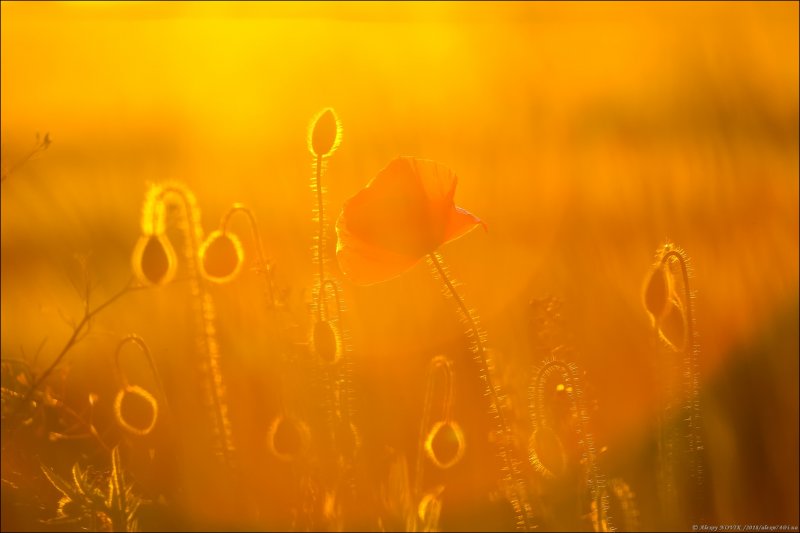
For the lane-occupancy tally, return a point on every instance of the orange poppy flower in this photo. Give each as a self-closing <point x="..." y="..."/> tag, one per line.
<point x="405" y="213"/>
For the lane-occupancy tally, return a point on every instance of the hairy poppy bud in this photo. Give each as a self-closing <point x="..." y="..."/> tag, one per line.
<point x="154" y="260"/>
<point x="288" y="438"/>
<point x="672" y="328"/>
<point x="657" y="291"/>
<point x="326" y="342"/>
<point x="547" y="454"/>
<point x="221" y="257"/>
<point x="445" y="444"/>
<point x="326" y="133"/>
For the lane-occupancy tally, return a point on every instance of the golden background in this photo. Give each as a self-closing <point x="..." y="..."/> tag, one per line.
<point x="584" y="134"/>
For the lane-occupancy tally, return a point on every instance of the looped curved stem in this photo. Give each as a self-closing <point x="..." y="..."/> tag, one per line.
<point x="320" y="235"/>
<point x="204" y="311"/>
<point x="687" y="386"/>
<point x="441" y="365"/>
<point x="142" y="345"/>
<point x="687" y="342"/>
<point x="567" y="374"/>
<point x="256" y="234"/>
<point x="510" y="468"/>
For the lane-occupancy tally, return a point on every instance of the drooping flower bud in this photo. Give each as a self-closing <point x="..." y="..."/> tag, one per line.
<point x="154" y="260"/>
<point x="221" y="257"/>
<point x="657" y="292"/>
<point x="288" y="438"/>
<point x="445" y="444"/>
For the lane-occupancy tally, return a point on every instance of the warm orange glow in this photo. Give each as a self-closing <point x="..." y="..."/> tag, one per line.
<point x="621" y="343"/>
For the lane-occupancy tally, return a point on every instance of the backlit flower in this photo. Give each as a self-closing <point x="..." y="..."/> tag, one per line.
<point x="405" y="213"/>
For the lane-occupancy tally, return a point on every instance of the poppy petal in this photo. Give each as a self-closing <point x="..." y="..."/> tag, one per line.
<point x="403" y="214"/>
<point x="364" y="263"/>
<point x="460" y="223"/>
<point x="392" y="212"/>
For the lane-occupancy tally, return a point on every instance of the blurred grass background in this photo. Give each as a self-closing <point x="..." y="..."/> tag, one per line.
<point x="584" y="134"/>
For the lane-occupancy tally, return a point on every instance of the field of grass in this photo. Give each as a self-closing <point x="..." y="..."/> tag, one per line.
<point x="585" y="136"/>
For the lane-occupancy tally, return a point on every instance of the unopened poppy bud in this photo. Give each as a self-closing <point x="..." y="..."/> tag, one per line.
<point x="326" y="342"/>
<point x="221" y="257"/>
<point x="326" y="133"/>
<point x="672" y="327"/>
<point x="154" y="260"/>
<point x="445" y="444"/>
<point x="547" y="454"/>
<point x="136" y="410"/>
<point x="288" y="438"/>
<point x="656" y="292"/>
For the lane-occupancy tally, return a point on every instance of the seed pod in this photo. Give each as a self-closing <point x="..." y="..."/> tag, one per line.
<point x="657" y="291"/>
<point x="221" y="257"/>
<point x="326" y="343"/>
<point x="326" y="133"/>
<point x="136" y="410"/>
<point x="154" y="260"/>
<point x="445" y="444"/>
<point x="288" y="438"/>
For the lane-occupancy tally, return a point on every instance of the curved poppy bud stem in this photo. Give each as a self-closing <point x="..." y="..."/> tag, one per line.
<point x="688" y="340"/>
<point x="442" y="367"/>
<point x="263" y="266"/>
<point x="136" y="390"/>
<point x="546" y="433"/>
<point x="680" y="449"/>
<point x="511" y="472"/>
<point x="154" y="221"/>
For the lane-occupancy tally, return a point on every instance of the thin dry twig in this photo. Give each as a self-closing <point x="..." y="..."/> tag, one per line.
<point x="78" y="333"/>
<point x="41" y="145"/>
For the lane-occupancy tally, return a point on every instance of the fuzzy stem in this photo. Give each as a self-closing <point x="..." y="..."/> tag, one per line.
<point x="592" y="479"/>
<point x="320" y="237"/>
<point x="204" y="316"/>
<point x="438" y="362"/>
<point x="520" y="503"/>
<point x="690" y="394"/>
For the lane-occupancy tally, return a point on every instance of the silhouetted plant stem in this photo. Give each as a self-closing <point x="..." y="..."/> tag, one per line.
<point x="76" y="332"/>
<point x="205" y="314"/>
<point x="680" y="449"/>
<point x="259" y="244"/>
<point x="510" y="466"/>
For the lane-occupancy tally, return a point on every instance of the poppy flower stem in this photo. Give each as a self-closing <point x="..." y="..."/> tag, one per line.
<point x="510" y="467"/>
